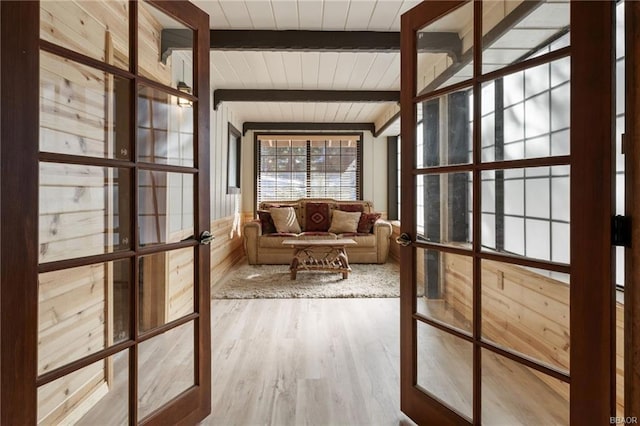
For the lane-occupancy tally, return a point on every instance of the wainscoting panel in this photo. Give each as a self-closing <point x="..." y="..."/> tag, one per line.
<point x="226" y="248"/>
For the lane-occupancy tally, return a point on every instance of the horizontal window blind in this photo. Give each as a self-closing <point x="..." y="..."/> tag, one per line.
<point x="309" y="166"/>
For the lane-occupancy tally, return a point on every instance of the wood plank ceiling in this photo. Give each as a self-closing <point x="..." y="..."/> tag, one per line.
<point x="307" y="70"/>
<point x="339" y="70"/>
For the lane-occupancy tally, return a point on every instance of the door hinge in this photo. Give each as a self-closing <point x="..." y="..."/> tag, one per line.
<point x="621" y="231"/>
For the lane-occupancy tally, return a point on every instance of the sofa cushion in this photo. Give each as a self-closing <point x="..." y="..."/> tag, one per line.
<point x="355" y="207"/>
<point x="365" y="224"/>
<point x="285" y="219"/>
<point x="317" y="236"/>
<point x="318" y="217"/>
<point x="266" y="222"/>
<point x="363" y="240"/>
<point x="344" y="221"/>
<point x="275" y="240"/>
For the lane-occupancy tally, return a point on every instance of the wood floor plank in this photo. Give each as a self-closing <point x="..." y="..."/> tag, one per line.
<point x="331" y="362"/>
<point x="306" y="361"/>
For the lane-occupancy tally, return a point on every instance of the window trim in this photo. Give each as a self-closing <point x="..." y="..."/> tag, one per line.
<point x="233" y="137"/>
<point x="257" y="135"/>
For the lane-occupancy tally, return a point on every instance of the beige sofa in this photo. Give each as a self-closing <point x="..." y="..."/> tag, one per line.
<point x="262" y="248"/>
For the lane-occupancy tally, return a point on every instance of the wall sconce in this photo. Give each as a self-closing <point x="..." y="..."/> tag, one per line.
<point x="183" y="87"/>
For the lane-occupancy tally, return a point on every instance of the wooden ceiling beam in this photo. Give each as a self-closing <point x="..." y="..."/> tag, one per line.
<point x="304" y="41"/>
<point x="271" y="95"/>
<point x="332" y="126"/>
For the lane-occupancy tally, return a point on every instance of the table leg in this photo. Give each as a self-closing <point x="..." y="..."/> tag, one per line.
<point x="344" y="260"/>
<point x="293" y="269"/>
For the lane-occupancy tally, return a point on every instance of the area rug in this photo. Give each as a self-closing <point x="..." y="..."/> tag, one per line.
<point x="274" y="282"/>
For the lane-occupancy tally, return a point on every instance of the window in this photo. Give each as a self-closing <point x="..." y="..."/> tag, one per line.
<point x="298" y="166"/>
<point x="233" y="161"/>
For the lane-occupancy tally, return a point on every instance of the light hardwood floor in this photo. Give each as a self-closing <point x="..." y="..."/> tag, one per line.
<point x="329" y="362"/>
<point x="306" y="362"/>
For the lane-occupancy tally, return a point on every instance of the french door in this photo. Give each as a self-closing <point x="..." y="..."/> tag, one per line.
<point x="105" y="212"/>
<point x="506" y="295"/>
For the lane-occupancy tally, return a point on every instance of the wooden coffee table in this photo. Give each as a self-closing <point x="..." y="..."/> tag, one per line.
<point x="320" y="255"/>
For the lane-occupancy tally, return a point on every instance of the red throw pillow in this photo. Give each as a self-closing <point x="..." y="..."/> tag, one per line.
<point x="365" y="225"/>
<point x="351" y="207"/>
<point x="266" y="222"/>
<point x="318" y="217"/>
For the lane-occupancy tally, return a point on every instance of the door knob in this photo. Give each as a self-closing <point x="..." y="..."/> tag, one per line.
<point x="206" y="237"/>
<point x="404" y="240"/>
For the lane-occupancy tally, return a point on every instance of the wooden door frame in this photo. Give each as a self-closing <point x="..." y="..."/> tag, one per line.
<point x="19" y="63"/>
<point x="632" y="208"/>
<point x="592" y="299"/>
<point x="19" y="174"/>
<point x="413" y="400"/>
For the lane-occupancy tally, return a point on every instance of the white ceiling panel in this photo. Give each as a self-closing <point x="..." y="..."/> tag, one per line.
<point x="342" y="114"/>
<point x="237" y="14"/>
<point x="275" y="68"/>
<point x="321" y="110"/>
<point x="361" y="68"/>
<point x="334" y="16"/>
<point x="327" y="70"/>
<point x="333" y="112"/>
<point x="390" y="78"/>
<point x="308" y="111"/>
<point x="286" y="14"/>
<point x="240" y="66"/>
<point x="356" y="112"/>
<point x="379" y="68"/>
<point x="359" y="15"/>
<point x="260" y="77"/>
<point x="293" y="69"/>
<point x="346" y="62"/>
<point x="330" y="113"/>
<point x="310" y="68"/>
<point x="261" y="14"/>
<point x="309" y="13"/>
<point x="221" y="65"/>
<point x="384" y="14"/>
<point x="217" y="19"/>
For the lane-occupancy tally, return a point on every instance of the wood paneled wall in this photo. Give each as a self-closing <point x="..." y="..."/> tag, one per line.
<point x="226" y="248"/>
<point x="223" y="204"/>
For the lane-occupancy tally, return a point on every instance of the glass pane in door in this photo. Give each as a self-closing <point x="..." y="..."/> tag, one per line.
<point x="166" y="367"/>
<point x="443" y="209"/>
<point x="83" y="111"/>
<point x="165" y="129"/>
<point x="526" y="311"/>
<point x="445" y="129"/>
<point x="84" y="211"/>
<point x="165" y="207"/>
<point x="525" y="212"/>
<point x="97" y="394"/>
<point x="165" y="287"/>
<point x="620" y="117"/>
<point x="445" y="51"/>
<point x="81" y="311"/>
<point x="169" y="68"/>
<point x="98" y="29"/>
<point x="514" y="31"/>
<point x="526" y="113"/>
<point x="513" y="394"/>
<point x="444" y="288"/>
<point x="445" y="368"/>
